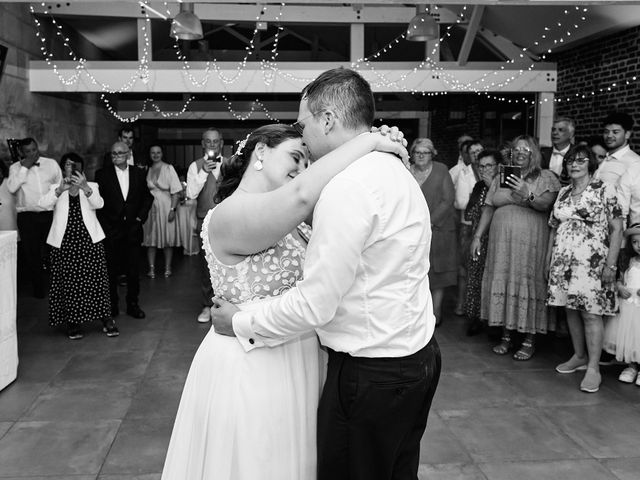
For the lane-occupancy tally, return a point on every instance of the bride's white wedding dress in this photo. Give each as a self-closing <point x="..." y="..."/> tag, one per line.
<point x="249" y="416"/>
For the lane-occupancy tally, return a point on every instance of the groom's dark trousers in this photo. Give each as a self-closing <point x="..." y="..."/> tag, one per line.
<point x="373" y="413"/>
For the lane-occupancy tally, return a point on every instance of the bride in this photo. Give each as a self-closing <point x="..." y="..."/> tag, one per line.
<point x="248" y="416"/>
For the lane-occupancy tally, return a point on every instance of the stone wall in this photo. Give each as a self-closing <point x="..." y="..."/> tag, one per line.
<point x="60" y="123"/>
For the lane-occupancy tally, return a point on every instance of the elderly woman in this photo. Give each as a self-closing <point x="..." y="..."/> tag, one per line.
<point x="514" y="289"/>
<point x="488" y="162"/>
<point x="79" y="283"/>
<point x="584" y="242"/>
<point x="437" y="187"/>
<point x="161" y="229"/>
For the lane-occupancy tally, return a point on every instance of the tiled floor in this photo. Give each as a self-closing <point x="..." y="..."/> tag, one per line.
<point x="102" y="408"/>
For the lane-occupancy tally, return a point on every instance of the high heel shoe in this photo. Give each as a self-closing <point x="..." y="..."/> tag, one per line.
<point x="152" y="272"/>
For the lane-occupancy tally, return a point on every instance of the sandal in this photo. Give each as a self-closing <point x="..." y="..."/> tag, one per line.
<point x="504" y="346"/>
<point x="525" y="352"/>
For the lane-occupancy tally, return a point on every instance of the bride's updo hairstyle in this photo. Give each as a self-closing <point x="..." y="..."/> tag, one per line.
<point x="232" y="171"/>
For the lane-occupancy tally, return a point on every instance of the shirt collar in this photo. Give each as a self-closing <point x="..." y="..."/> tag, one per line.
<point x="121" y="170"/>
<point x="618" y="154"/>
<point x="562" y="152"/>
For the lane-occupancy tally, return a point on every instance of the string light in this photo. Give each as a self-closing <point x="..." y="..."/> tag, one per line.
<point x="487" y="82"/>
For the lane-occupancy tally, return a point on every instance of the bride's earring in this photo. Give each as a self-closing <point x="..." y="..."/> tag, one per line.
<point x="258" y="164"/>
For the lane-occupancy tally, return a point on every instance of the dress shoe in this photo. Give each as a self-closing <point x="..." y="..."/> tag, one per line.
<point x="474" y="328"/>
<point x="135" y="311"/>
<point x="205" y="315"/>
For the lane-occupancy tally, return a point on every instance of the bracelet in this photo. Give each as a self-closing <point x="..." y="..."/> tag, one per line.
<point x="172" y="209"/>
<point x="611" y="267"/>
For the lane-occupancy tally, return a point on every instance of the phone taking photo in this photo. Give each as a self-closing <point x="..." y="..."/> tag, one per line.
<point x="505" y="171"/>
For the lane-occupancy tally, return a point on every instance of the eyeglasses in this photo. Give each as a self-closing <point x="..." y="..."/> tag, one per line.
<point x="299" y="126"/>
<point x="119" y="154"/>
<point x="487" y="166"/>
<point x="422" y="154"/>
<point x="576" y="161"/>
<point x="521" y="150"/>
<point x="208" y="141"/>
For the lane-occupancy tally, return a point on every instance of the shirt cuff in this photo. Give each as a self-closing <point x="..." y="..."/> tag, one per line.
<point x="241" y="322"/>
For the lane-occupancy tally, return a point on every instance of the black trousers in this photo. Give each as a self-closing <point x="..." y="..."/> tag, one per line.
<point x="34" y="228"/>
<point x="123" y="249"/>
<point x="373" y="413"/>
<point x="206" y="289"/>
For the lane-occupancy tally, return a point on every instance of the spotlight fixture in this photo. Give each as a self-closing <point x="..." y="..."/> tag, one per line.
<point x="186" y="25"/>
<point x="423" y="27"/>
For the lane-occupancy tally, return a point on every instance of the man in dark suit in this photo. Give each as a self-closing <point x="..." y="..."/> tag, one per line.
<point x="562" y="138"/>
<point x="127" y="201"/>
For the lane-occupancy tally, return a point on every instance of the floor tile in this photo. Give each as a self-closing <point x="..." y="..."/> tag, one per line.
<point x="17" y="398"/>
<point x="624" y="468"/>
<point x="4" y="427"/>
<point x="439" y="445"/>
<point x="558" y="470"/>
<point x="458" y="392"/>
<point x="56" y="448"/>
<point x="42" y="366"/>
<point x="127" y="365"/>
<point x="536" y="386"/>
<point x="458" y="359"/>
<point x="450" y="472"/>
<point x="77" y="401"/>
<point x="170" y="364"/>
<point x="140" y="447"/>
<point x="54" y="477"/>
<point x="157" y="397"/>
<point x="149" y="476"/>
<point x="507" y="433"/>
<point x="609" y="430"/>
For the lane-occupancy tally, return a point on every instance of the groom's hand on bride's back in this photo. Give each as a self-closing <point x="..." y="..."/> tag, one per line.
<point x="222" y="315"/>
<point x="393" y="142"/>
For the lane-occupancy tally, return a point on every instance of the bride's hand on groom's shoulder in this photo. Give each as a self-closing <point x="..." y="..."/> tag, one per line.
<point x="222" y="316"/>
<point x="392" y="140"/>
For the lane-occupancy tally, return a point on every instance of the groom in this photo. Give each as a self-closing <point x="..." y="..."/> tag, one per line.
<point x="365" y="292"/>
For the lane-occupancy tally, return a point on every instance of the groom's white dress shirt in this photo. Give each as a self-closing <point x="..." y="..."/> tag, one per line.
<point x="365" y="288"/>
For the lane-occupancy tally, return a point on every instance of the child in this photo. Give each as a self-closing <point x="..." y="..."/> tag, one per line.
<point x="623" y="332"/>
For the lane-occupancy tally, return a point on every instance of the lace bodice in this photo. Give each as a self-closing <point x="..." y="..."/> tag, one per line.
<point x="264" y="274"/>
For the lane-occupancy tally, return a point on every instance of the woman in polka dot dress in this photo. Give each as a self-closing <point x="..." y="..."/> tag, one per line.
<point x="79" y="284"/>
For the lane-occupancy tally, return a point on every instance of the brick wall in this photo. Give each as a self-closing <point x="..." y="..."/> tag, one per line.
<point x="78" y="122"/>
<point x="597" y="64"/>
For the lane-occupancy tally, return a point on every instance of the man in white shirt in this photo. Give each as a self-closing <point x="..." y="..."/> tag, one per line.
<point x="455" y="170"/>
<point x="30" y="179"/>
<point x="202" y="177"/>
<point x="562" y="138"/>
<point x="365" y="292"/>
<point x="616" y="134"/>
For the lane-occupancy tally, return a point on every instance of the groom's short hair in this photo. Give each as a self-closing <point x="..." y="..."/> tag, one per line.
<point x="346" y="93"/>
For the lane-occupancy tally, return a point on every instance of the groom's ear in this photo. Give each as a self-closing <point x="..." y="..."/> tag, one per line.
<point x="329" y="119"/>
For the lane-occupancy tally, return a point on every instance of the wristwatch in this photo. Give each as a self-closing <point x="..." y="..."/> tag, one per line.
<point x="531" y="197"/>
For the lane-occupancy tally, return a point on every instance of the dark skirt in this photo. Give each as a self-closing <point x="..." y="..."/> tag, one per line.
<point x="79" y="282"/>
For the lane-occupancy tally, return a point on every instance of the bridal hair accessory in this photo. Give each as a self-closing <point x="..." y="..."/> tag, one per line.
<point x="258" y="164"/>
<point x="241" y="145"/>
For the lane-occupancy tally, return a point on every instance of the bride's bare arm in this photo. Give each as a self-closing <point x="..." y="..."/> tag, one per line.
<point x="245" y="224"/>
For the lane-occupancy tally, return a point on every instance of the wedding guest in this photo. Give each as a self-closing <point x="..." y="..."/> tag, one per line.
<point x="616" y="134"/>
<point x="437" y="188"/>
<point x="8" y="214"/>
<point x="464" y="185"/>
<point x="30" y="179"/>
<point x="202" y="178"/>
<point x="187" y="222"/>
<point x="562" y="138"/>
<point x="127" y="201"/>
<point x="161" y="229"/>
<point x="622" y="332"/>
<point x="514" y="289"/>
<point x="79" y="283"/>
<point x="598" y="147"/>
<point x="584" y="242"/>
<point x="488" y="161"/>
<point x="455" y="170"/>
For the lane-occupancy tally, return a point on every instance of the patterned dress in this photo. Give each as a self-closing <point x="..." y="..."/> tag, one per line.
<point x="79" y="282"/>
<point x="248" y="416"/>
<point x="580" y="249"/>
<point x="475" y="267"/>
<point x="514" y="289"/>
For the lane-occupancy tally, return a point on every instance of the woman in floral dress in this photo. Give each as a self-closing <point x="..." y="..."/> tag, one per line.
<point x="585" y="238"/>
